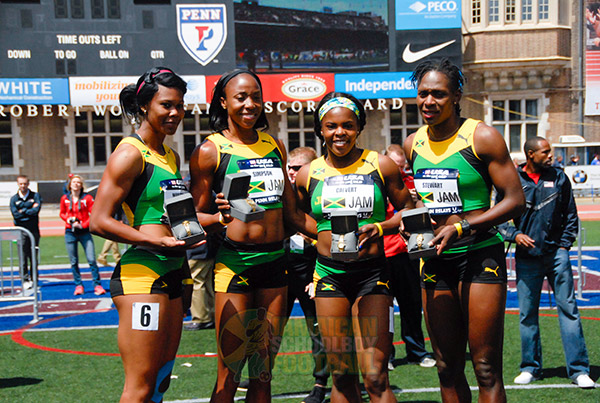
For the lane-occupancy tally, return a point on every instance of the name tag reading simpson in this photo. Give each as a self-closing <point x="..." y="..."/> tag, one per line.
<point x="266" y="183"/>
<point x="438" y="189"/>
<point x="353" y="191"/>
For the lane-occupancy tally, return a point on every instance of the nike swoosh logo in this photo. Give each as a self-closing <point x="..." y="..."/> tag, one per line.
<point x="410" y="57"/>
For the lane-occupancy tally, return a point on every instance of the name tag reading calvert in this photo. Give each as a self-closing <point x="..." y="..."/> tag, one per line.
<point x="266" y="183"/>
<point x="144" y="315"/>
<point x="438" y="189"/>
<point x="351" y="191"/>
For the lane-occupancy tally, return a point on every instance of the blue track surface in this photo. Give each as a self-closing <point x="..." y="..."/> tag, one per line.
<point x="57" y="287"/>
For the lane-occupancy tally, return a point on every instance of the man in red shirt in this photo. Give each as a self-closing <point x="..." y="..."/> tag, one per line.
<point x="405" y="281"/>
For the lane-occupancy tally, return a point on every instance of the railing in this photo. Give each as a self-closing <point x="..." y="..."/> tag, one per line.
<point x="12" y="281"/>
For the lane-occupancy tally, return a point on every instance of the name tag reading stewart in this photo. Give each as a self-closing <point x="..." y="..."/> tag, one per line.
<point x="438" y="189"/>
<point x="266" y="183"/>
<point x="348" y="191"/>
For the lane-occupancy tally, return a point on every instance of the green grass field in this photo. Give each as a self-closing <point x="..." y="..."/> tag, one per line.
<point x="33" y="375"/>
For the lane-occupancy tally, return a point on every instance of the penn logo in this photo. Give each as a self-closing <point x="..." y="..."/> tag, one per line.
<point x="202" y="30"/>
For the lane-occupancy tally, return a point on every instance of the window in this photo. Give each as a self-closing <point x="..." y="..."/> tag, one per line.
<point x="403" y="122"/>
<point x="300" y="130"/>
<point x="544" y="9"/>
<point x="195" y="130"/>
<point x="96" y="137"/>
<point x="6" y="143"/>
<point x="476" y="11"/>
<point x="494" y="10"/>
<point x="496" y="13"/>
<point x="517" y="120"/>
<point x="510" y="11"/>
<point x="527" y="10"/>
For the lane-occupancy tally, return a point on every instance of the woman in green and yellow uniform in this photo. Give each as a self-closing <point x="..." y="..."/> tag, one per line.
<point x="148" y="283"/>
<point x="353" y="298"/>
<point x="250" y="269"/>
<point x="456" y="162"/>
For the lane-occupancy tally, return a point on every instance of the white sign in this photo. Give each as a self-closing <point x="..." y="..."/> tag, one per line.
<point x="96" y="91"/>
<point x="584" y="176"/>
<point x="9" y="189"/>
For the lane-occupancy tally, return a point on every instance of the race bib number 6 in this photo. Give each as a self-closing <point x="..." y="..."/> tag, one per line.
<point x="144" y="315"/>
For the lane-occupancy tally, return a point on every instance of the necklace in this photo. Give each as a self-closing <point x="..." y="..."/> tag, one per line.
<point x="162" y="157"/>
<point x="430" y="134"/>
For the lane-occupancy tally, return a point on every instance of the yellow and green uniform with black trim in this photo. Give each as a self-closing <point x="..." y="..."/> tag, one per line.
<point x="359" y="187"/>
<point x="143" y="271"/>
<point x="263" y="160"/>
<point x="450" y="178"/>
<point x="145" y="202"/>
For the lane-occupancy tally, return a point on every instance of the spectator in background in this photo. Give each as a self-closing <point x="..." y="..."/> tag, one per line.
<point x="66" y="189"/>
<point x="559" y="163"/>
<point x="75" y="210"/>
<point x="574" y="160"/>
<point x="405" y="279"/>
<point x="202" y="263"/>
<point x="544" y="234"/>
<point x="595" y="160"/>
<point x="25" y="207"/>
<point x="302" y="255"/>
<point x="111" y="245"/>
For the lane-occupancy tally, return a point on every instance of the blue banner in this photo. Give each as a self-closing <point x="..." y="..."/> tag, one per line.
<point x="376" y="85"/>
<point x="34" y="91"/>
<point x="422" y="14"/>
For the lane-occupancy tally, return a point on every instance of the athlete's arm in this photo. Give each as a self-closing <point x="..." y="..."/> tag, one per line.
<point x="294" y="216"/>
<point x="491" y="148"/>
<point x="397" y="194"/>
<point x="203" y="163"/>
<point x="123" y="167"/>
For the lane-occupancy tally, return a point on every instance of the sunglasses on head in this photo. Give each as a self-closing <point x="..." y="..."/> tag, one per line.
<point x="150" y="76"/>
<point x="294" y="167"/>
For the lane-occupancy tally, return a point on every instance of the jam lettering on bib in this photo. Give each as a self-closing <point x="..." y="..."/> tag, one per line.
<point x="438" y="189"/>
<point x="351" y="191"/>
<point x="266" y="184"/>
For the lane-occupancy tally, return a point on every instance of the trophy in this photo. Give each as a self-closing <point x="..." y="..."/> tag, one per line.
<point x="235" y="189"/>
<point x="181" y="213"/>
<point x="344" y="241"/>
<point x="418" y="223"/>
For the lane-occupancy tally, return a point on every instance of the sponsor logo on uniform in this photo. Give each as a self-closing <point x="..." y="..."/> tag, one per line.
<point x="202" y="30"/>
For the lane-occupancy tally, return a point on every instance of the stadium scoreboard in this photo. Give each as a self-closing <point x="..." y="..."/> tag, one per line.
<point x="34" y="43"/>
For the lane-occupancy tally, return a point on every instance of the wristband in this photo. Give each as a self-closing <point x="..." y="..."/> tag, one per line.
<point x="222" y="220"/>
<point x="466" y="227"/>
<point x="459" y="228"/>
<point x="313" y="242"/>
<point x="187" y="281"/>
<point x="379" y="229"/>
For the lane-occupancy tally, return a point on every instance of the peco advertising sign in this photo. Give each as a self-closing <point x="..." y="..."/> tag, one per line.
<point x="421" y="14"/>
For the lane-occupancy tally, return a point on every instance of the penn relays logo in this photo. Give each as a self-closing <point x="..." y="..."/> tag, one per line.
<point x="202" y="30"/>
